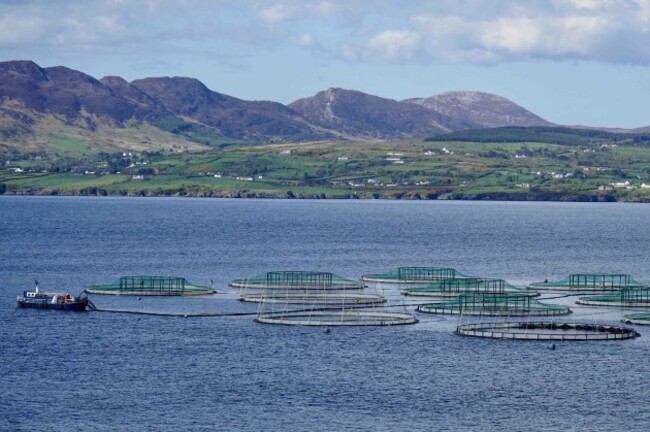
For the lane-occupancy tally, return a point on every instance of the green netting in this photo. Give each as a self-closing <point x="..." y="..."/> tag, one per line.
<point x="414" y="275"/>
<point x="454" y="287"/>
<point x="631" y="297"/>
<point x="150" y="285"/>
<point x="590" y="282"/>
<point x="494" y="305"/>
<point x="297" y="280"/>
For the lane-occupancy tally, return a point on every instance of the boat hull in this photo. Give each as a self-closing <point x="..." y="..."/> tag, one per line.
<point x="78" y="306"/>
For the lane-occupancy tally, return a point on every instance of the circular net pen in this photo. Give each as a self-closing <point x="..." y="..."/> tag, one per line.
<point x="337" y="318"/>
<point x="626" y="297"/>
<point x="414" y="275"/>
<point x="546" y="331"/>
<point x="297" y="281"/>
<point x="455" y="287"/>
<point x="324" y="306"/>
<point x="150" y="286"/>
<point x="637" y="318"/>
<point x="494" y="305"/>
<point x="586" y="282"/>
<point x="345" y="299"/>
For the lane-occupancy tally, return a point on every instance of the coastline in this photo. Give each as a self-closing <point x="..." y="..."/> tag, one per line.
<point x="395" y="196"/>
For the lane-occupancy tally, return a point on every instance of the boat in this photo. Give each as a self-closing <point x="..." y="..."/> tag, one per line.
<point x="47" y="300"/>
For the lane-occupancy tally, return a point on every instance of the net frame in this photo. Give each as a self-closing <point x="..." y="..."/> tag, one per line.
<point x="324" y="306"/>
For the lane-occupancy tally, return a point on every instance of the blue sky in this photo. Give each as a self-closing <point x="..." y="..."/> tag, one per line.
<point x="569" y="61"/>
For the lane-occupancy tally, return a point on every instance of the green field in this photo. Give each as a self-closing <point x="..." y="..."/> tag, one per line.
<point x="595" y="167"/>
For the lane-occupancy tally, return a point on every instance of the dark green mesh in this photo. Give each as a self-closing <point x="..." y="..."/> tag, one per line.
<point x="414" y="275"/>
<point x="297" y="280"/>
<point x="590" y="282"/>
<point x="494" y="305"/>
<point x="150" y="285"/>
<point x="453" y="287"/>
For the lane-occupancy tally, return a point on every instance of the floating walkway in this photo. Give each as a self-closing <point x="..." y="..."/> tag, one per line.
<point x="337" y="318"/>
<point x="414" y="275"/>
<point x="150" y="286"/>
<point x="495" y="305"/>
<point x="589" y="282"/>
<point x="626" y="297"/>
<point x="343" y="300"/>
<point x="454" y="287"/>
<point x="546" y="331"/>
<point x="298" y="281"/>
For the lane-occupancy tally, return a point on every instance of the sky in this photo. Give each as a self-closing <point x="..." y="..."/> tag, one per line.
<point x="570" y="61"/>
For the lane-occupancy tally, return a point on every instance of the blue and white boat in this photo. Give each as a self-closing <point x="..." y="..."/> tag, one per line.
<point x="46" y="300"/>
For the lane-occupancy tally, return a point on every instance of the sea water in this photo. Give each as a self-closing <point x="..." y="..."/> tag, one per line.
<point x="105" y="372"/>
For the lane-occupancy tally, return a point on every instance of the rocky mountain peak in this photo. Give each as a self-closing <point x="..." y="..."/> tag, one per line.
<point x="484" y="110"/>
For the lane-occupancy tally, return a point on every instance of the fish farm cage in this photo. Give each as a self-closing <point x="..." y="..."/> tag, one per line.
<point x="626" y="297"/>
<point x="291" y="299"/>
<point x="589" y="282"/>
<point x="337" y="318"/>
<point x="150" y="286"/>
<point x="315" y="298"/>
<point x="413" y="275"/>
<point x="637" y="318"/>
<point x="297" y="280"/>
<point x="496" y="305"/>
<point x="454" y="287"/>
<point x="546" y="331"/>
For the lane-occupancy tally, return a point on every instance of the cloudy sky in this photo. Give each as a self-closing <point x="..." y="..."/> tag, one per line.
<point x="570" y="61"/>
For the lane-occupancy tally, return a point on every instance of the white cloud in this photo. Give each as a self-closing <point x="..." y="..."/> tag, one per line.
<point x="606" y="31"/>
<point x="17" y="29"/>
<point x="278" y="13"/>
<point x="394" y="45"/>
<point x="306" y="41"/>
<point x="283" y="12"/>
<point x="348" y="52"/>
<point x="479" y="31"/>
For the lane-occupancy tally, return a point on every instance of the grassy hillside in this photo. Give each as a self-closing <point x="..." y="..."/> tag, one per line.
<point x="601" y="167"/>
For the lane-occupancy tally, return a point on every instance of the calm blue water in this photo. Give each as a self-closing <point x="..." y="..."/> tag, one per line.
<point x="106" y="372"/>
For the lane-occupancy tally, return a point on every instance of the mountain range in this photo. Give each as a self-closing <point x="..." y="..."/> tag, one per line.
<point x="38" y="103"/>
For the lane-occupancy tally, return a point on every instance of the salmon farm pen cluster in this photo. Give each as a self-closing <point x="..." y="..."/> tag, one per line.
<point x="311" y="298"/>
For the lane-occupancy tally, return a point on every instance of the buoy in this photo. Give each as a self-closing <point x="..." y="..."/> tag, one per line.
<point x="327" y="331"/>
<point x="139" y="298"/>
<point x="551" y="346"/>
